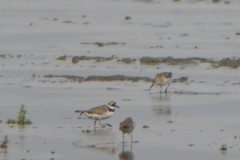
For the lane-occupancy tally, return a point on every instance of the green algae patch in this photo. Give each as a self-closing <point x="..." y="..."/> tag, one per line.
<point x="21" y="120"/>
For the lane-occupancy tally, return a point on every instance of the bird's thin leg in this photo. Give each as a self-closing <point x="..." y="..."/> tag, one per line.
<point x="131" y="137"/>
<point x="123" y="138"/>
<point x="151" y="86"/>
<point x="122" y="147"/>
<point x="160" y="89"/>
<point x="131" y="146"/>
<point x="95" y="124"/>
<point x="99" y="122"/>
<point x="167" y="87"/>
<point x="131" y="142"/>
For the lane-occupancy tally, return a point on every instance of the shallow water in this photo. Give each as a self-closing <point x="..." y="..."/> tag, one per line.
<point x="197" y="120"/>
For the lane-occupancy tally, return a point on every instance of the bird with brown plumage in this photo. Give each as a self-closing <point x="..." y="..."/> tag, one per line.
<point x="162" y="79"/>
<point x="127" y="126"/>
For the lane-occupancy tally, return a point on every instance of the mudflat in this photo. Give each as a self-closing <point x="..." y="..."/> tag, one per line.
<point x="60" y="56"/>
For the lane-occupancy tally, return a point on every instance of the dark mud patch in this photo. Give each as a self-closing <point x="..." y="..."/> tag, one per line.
<point x="107" y="147"/>
<point x="127" y="60"/>
<point x="117" y="78"/>
<point x="128" y="18"/>
<point x="62" y="58"/>
<point x="145" y="126"/>
<point x="215" y="1"/>
<point x="76" y="59"/>
<point x="174" y="61"/>
<point x="109" y="88"/>
<point x="236" y="83"/>
<point x="2" y="56"/>
<point x="170" y="121"/>
<point x="195" y="93"/>
<point x="146" y="1"/>
<point x="228" y="62"/>
<point x="67" y="22"/>
<point x="156" y="47"/>
<point x="182" y="79"/>
<point x="72" y="78"/>
<point x="184" y="34"/>
<point x="110" y="78"/>
<point x="100" y="44"/>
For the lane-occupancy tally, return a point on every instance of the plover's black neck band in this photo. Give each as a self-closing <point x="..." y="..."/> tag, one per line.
<point x="111" y="110"/>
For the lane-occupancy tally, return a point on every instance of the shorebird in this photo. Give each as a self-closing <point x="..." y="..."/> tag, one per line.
<point x="127" y="126"/>
<point x="162" y="79"/>
<point x="100" y="113"/>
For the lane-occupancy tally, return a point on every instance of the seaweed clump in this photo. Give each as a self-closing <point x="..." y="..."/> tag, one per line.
<point x="173" y="61"/>
<point x="21" y="120"/>
<point x="181" y="79"/>
<point x="100" y="44"/>
<point x="112" y="78"/>
<point x="72" y="78"/>
<point x="2" y="56"/>
<point x="4" y="143"/>
<point x="128" y="60"/>
<point x="117" y="78"/>
<point x="62" y="58"/>
<point x="233" y="63"/>
<point x="75" y="59"/>
<point x="215" y="1"/>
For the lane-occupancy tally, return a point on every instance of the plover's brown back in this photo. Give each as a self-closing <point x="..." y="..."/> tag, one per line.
<point x="100" y="112"/>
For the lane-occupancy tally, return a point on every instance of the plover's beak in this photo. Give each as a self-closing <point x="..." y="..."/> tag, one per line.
<point x="116" y="106"/>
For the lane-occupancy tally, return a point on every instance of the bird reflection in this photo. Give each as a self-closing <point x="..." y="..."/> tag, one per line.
<point x="161" y="97"/>
<point x="4" y="150"/>
<point x="126" y="155"/>
<point x="162" y="109"/>
<point x="223" y="152"/>
<point x="104" y="148"/>
<point x="102" y="132"/>
<point x="161" y="104"/>
<point x="97" y="140"/>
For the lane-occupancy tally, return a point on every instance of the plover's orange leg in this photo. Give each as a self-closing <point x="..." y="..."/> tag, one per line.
<point x="100" y="122"/>
<point x="95" y="124"/>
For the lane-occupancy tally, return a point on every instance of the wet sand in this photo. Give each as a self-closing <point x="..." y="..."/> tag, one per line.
<point x="206" y="121"/>
<point x="192" y="121"/>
